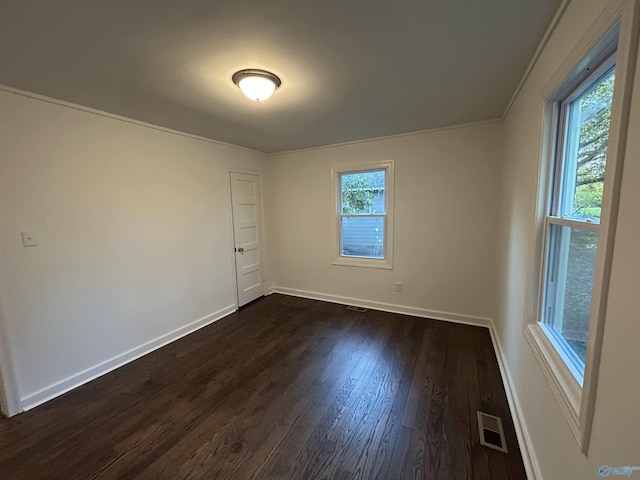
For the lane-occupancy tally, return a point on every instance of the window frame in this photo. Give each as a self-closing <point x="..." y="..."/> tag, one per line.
<point x="556" y="199"/>
<point x="386" y="262"/>
<point x="613" y="32"/>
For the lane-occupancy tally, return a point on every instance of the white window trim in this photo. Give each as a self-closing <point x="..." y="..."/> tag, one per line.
<point x="578" y="401"/>
<point x="336" y="171"/>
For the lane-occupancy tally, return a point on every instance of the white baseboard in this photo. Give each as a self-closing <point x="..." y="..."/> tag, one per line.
<point x="529" y="458"/>
<point x="386" y="307"/>
<point x="41" y="396"/>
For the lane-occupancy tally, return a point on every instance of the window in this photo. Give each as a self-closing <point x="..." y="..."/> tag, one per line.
<point x="364" y="206"/>
<point x="574" y="212"/>
<point x="585" y="126"/>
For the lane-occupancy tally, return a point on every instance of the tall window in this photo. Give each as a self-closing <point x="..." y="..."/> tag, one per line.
<point x="586" y="123"/>
<point x="574" y="212"/>
<point x="364" y="215"/>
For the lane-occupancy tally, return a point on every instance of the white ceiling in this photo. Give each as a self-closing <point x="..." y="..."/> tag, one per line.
<point x="350" y="69"/>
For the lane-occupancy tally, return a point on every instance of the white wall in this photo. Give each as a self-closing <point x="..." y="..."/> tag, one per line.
<point x="135" y="240"/>
<point x="445" y="222"/>
<point x="615" y="438"/>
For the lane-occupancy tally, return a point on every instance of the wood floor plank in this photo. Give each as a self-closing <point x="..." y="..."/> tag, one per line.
<point x="285" y="388"/>
<point x="408" y="405"/>
<point x="463" y="456"/>
<point x="379" y="464"/>
<point x="422" y="456"/>
<point x="437" y="445"/>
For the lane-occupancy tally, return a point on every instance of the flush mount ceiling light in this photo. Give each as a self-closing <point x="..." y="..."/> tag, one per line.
<point x="256" y="84"/>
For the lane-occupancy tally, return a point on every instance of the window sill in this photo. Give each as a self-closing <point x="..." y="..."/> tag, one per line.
<point x="363" y="262"/>
<point x="562" y="381"/>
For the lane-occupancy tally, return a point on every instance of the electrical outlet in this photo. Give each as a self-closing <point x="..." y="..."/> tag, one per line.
<point x="29" y="239"/>
<point x="398" y="286"/>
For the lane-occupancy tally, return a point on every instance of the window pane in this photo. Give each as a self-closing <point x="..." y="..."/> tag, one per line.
<point x="362" y="193"/>
<point x="589" y="118"/>
<point x="569" y="283"/>
<point x="363" y="237"/>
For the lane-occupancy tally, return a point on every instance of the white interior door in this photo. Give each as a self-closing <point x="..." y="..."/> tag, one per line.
<point x="245" y="199"/>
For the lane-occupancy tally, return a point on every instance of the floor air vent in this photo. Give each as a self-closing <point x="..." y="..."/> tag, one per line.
<point x="356" y="309"/>
<point x="491" y="432"/>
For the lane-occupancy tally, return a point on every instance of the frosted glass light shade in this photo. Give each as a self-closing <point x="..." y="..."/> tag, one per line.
<point x="257" y="85"/>
<point x="257" y="88"/>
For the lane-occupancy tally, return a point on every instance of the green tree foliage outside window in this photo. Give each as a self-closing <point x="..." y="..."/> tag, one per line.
<point x="359" y="191"/>
<point x="592" y="149"/>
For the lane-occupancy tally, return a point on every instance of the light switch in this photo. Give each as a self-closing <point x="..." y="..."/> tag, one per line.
<point x="29" y="239"/>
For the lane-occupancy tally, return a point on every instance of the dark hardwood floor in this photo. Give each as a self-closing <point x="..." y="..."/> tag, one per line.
<point x="284" y="388"/>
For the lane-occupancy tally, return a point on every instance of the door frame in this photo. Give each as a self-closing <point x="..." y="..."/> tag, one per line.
<point x="257" y="173"/>
<point x="9" y="399"/>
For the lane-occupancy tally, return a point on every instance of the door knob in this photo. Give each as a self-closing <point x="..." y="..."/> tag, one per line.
<point x="240" y="249"/>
